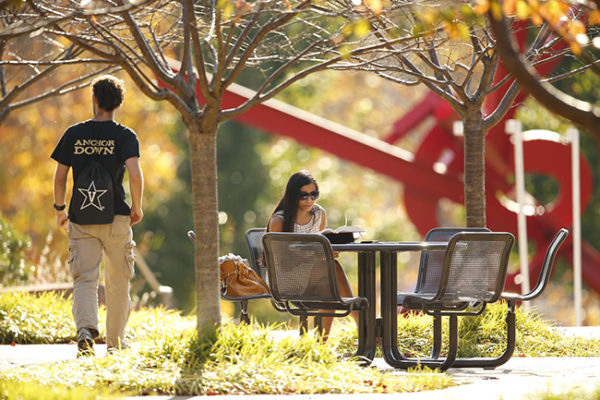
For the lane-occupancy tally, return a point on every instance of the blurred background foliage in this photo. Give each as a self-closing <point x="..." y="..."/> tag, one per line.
<point x="13" y="247"/>
<point x="253" y="169"/>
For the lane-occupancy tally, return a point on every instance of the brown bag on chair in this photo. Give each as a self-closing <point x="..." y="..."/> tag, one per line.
<point x="238" y="279"/>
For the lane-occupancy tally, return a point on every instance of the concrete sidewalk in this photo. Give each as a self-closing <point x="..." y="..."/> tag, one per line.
<point x="519" y="378"/>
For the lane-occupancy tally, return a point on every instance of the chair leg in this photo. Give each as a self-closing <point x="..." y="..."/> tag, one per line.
<point x="318" y="322"/>
<point x="244" y="318"/>
<point x="303" y="325"/>
<point x="437" y="336"/>
<point x="490" y="363"/>
<point x="452" y="343"/>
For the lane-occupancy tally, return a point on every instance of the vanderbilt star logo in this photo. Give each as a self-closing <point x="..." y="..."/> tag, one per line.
<point x="92" y="197"/>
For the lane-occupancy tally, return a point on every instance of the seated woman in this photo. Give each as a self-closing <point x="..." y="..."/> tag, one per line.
<point x="298" y="212"/>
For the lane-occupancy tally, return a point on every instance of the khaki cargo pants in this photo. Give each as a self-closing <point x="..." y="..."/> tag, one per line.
<point x="87" y="243"/>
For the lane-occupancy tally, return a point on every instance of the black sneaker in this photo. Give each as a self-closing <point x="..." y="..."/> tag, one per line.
<point x="85" y="343"/>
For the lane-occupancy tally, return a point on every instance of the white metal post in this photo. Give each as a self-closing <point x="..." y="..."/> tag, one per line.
<point x="573" y="136"/>
<point x="514" y="127"/>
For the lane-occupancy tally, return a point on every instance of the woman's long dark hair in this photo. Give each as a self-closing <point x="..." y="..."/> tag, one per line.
<point x="289" y="201"/>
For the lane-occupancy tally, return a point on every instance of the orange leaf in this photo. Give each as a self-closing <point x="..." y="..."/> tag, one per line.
<point x="576" y="27"/>
<point x="533" y="4"/>
<point x="375" y="5"/>
<point x="496" y="11"/>
<point x="523" y="10"/>
<point x="508" y="7"/>
<point x="553" y="11"/>
<point x="575" y="47"/>
<point x="481" y="7"/>
<point x="563" y="6"/>
<point x="594" y="17"/>
<point x="429" y="15"/>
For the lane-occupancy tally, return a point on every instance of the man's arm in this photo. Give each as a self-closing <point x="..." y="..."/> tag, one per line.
<point x="136" y="187"/>
<point x="60" y="193"/>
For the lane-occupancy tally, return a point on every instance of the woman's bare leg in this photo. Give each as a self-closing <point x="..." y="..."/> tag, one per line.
<point x="344" y="286"/>
<point x="327" y="322"/>
<point x="345" y="290"/>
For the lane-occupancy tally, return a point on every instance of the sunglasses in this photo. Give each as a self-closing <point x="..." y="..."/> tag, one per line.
<point x="305" y="195"/>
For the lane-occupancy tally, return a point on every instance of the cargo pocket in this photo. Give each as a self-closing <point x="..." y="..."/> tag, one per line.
<point x="72" y="260"/>
<point x="129" y="259"/>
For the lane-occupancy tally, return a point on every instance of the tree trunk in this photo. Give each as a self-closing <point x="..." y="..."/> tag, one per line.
<point x="474" y="169"/>
<point x="203" y="154"/>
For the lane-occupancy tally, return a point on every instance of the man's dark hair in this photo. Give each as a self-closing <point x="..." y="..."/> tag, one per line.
<point x="109" y="91"/>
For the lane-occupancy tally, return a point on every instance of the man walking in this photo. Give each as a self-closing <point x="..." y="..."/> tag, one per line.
<point x="116" y="148"/>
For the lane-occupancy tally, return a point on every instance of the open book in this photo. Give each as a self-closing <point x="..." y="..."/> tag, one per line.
<point x="343" y="234"/>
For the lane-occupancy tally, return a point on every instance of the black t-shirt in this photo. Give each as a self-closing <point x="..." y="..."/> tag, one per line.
<point x="109" y="143"/>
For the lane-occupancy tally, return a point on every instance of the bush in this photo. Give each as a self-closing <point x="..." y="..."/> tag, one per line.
<point x="13" y="245"/>
<point x="29" y="319"/>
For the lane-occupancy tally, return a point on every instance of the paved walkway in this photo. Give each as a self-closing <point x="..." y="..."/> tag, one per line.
<point x="519" y="378"/>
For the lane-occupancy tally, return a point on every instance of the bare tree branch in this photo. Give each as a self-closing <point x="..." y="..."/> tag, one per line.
<point x="20" y="28"/>
<point x="581" y="113"/>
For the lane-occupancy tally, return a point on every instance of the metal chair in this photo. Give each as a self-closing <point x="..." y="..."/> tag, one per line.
<point x="511" y="300"/>
<point x="430" y="268"/>
<point x="472" y="274"/>
<point x="257" y="262"/>
<point x="253" y="238"/>
<point x="302" y="278"/>
<point x="254" y="241"/>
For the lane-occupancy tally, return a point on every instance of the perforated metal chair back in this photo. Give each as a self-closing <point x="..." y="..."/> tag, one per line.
<point x="430" y="267"/>
<point x="254" y="240"/>
<point x="475" y="266"/>
<point x="300" y="267"/>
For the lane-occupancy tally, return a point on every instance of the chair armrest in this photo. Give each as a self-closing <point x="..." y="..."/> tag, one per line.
<point x="546" y="271"/>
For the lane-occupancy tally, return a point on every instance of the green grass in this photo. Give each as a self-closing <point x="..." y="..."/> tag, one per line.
<point x="168" y="358"/>
<point x="33" y="391"/>
<point x="239" y="360"/>
<point x="485" y="336"/>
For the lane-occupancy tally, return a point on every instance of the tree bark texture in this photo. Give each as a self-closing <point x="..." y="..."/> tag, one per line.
<point x="474" y="169"/>
<point x="203" y="146"/>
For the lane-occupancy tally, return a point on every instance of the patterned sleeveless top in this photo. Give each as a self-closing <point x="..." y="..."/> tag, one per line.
<point x="313" y="226"/>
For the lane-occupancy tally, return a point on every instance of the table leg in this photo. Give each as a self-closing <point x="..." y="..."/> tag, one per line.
<point x="367" y="319"/>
